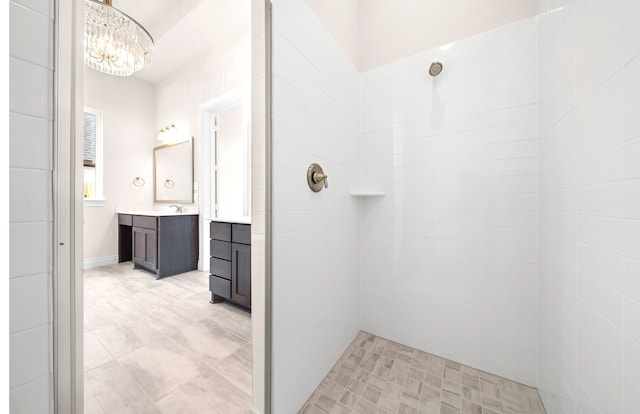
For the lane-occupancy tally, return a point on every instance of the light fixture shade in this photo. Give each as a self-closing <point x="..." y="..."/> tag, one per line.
<point x="169" y="133"/>
<point x="114" y="43"/>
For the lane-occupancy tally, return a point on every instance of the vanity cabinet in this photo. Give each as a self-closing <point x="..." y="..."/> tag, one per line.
<point x="230" y="263"/>
<point x="165" y="245"/>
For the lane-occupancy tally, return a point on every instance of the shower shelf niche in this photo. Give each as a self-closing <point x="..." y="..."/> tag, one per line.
<point x="368" y="193"/>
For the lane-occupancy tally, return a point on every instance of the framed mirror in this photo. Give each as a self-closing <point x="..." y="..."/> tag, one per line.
<point x="173" y="172"/>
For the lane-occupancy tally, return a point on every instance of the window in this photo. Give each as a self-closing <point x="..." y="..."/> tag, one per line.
<point x="92" y="154"/>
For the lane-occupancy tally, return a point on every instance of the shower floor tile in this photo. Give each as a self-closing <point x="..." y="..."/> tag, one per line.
<point x="376" y="375"/>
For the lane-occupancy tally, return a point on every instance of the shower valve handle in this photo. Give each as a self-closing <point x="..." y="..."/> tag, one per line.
<point x="319" y="177"/>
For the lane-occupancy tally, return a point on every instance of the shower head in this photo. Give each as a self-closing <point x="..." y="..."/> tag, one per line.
<point x="435" y="69"/>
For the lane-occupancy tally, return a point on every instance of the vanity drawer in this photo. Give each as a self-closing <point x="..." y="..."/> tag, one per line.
<point x="125" y="219"/>
<point x="220" y="249"/>
<point x="146" y="222"/>
<point x="220" y="268"/>
<point x="220" y="231"/>
<point x="220" y="287"/>
<point x="241" y="233"/>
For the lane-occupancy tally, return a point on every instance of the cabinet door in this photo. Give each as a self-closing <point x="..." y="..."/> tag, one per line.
<point x="241" y="274"/>
<point x="145" y="247"/>
<point x="151" y="249"/>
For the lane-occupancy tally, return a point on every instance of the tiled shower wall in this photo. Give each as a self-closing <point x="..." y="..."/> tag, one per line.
<point x="30" y="117"/>
<point x="449" y="256"/>
<point x="315" y="235"/>
<point x="589" y="331"/>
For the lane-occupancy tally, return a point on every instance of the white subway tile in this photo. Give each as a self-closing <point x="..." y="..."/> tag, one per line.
<point x="632" y="280"/>
<point x="44" y="7"/>
<point x="605" y="233"/>
<point x="602" y="167"/>
<point x="632" y="322"/>
<point x="632" y="239"/>
<point x="632" y="396"/>
<point x="25" y="134"/>
<point x="30" y="37"/>
<point x="29" y="355"/>
<point x="631" y="80"/>
<point x="601" y="376"/>
<point x="631" y="31"/>
<point x="33" y="397"/>
<point x="631" y="121"/>
<point x="30" y="248"/>
<point x="601" y="264"/>
<point x="31" y="89"/>
<point x="605" y="200"/>
<point x="632" y="199"/>
<point x="632" y="359"/>
<point x="597" y="327"/>
<point x="602" y="298"/>
<point x="29" y="302"/>
<point x="631" y="158"/>
<point x="29" y="195"/>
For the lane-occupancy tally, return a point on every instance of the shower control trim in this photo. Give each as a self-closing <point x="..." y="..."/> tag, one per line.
<point x="316" y="178"/>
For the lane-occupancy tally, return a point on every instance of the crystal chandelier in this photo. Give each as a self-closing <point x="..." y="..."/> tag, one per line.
<point x="114" y="43"/>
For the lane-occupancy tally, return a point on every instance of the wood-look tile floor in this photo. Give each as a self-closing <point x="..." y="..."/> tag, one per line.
<point x="159" y="346"/>
<point x="376" y="375"/>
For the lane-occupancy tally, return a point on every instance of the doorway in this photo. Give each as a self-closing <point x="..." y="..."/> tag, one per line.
<point x="69" y="388"/>
<point x="226" y="153"/>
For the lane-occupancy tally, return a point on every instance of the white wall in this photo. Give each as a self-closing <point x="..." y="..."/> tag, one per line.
<point x="224" y="68"/>
<point x="377" y="32"/>
<point x="30" y="211"/>
<point x="342" y="19"/>
<point x="449" y="256"/>
<point x="315" y="235"/>
<point x="129" y="135"/>
<point x="589" y="345"/>
<point x="232" y="160"/>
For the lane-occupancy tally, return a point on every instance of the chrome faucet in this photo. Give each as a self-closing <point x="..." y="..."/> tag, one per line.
<point x="178" y="207"/>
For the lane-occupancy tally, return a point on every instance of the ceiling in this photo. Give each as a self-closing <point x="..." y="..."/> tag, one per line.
<point x="184" y="29"/>
<point x="375" y="32"/>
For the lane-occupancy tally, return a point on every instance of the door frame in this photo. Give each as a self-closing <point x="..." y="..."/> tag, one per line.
<point x="207" y="190"/>
<point x="67" y="181"/>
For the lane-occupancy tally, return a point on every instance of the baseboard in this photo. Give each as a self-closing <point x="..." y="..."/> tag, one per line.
<point x="100" y="261"/>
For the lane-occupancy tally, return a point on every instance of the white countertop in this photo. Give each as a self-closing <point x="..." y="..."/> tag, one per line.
<point x="154" y="213"/>
<point x="239" y="220"/>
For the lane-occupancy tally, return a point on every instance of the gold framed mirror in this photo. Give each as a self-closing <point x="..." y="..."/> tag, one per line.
<point x="173" y="173"/>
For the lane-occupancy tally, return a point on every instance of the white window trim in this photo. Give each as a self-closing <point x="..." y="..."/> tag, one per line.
<point x="99" y="200"/>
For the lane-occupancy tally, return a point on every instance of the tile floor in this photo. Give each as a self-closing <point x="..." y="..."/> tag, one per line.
<point x="375" y="375"/>
<point x="159" y="346"/>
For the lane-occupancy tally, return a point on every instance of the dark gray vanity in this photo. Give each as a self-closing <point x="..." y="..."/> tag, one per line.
<point x="164" y="244"/>
<point x="230" y="263"/>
